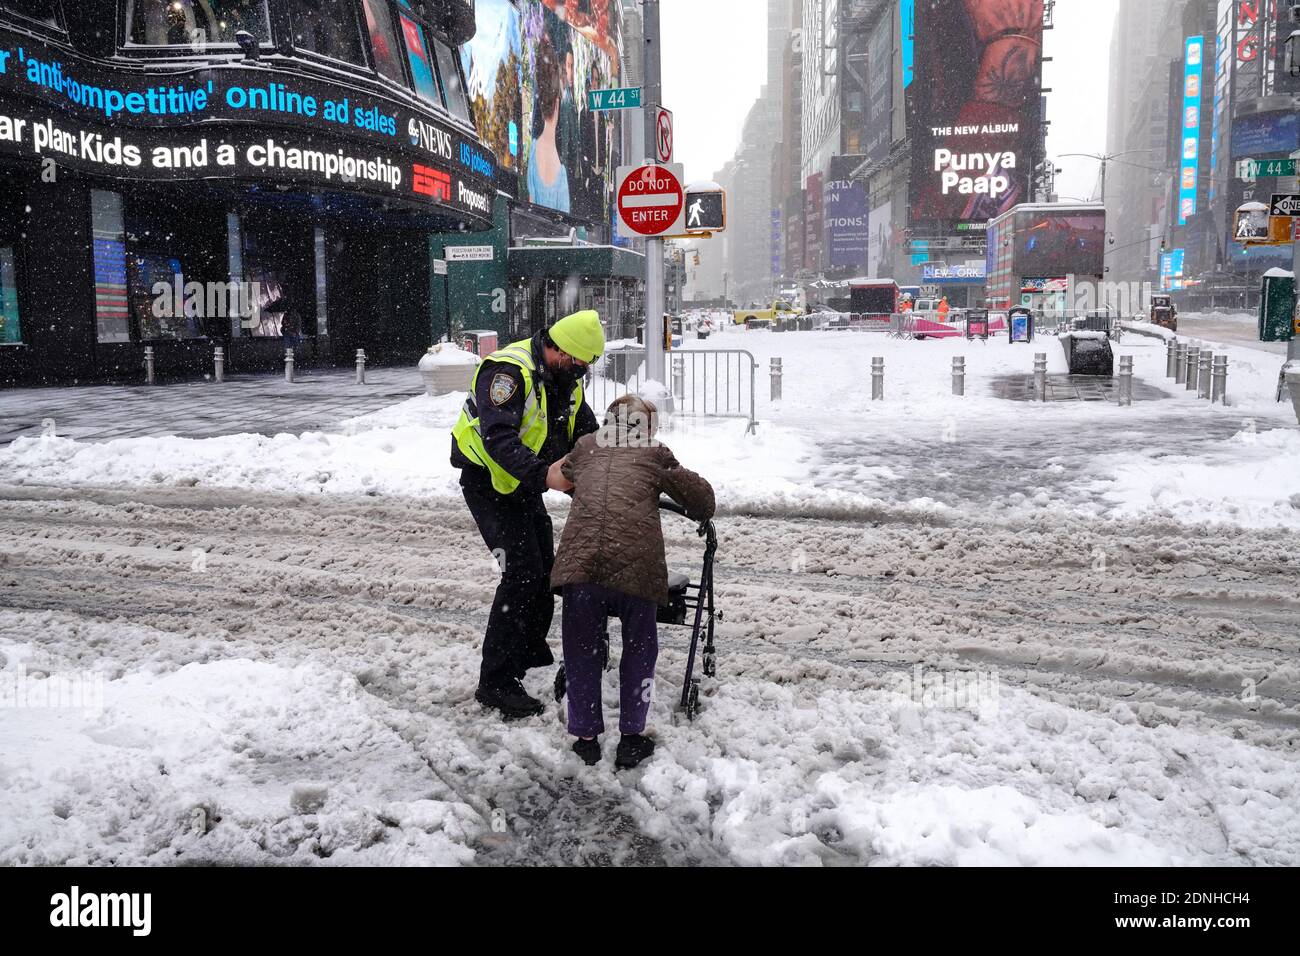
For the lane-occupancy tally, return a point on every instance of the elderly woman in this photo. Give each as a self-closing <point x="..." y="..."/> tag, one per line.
<point x="611" y="564"/>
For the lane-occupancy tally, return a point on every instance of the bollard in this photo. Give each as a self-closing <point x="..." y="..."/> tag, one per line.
<point x="877" y="378"/>
<point x="361" y="366"/>
<point x="1203" y="375"/>
<point x="679" y="375"/>
<point x="148" y="364"/>
<point x="776" y="379"/>
<point x="1171" y="357"/>
<point x="1193" y="367"/>
<point x="219" y="363"/>
<point x="1180" y="364"/>
<point x="288" y="365"/>
<point x="1040" y="376"/>
<point x="959" y="375"/>
<point x="1219" y="390"/>
<point x="1126" y="380"/>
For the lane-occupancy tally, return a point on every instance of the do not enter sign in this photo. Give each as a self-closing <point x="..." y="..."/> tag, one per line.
<point x="650" y="201"/>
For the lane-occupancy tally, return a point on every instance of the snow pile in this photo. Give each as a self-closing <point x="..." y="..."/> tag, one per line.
<point x="447" y="353"/>
<point x="1251" y="480"/>
<point x="229" y="761"/>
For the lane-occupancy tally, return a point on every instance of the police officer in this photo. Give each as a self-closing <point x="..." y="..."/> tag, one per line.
<point x="525" y="410"/>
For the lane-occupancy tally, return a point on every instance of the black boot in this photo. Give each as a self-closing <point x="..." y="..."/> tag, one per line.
<point x="588" y="750"/>
<point x="510" y="698"/>
<point x="632" y="749"/>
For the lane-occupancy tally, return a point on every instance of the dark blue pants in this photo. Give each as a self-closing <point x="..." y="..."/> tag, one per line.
<point x="586" y="608"/>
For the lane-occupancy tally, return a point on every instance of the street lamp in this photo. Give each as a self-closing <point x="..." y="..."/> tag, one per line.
<point x="1105" y="158"/>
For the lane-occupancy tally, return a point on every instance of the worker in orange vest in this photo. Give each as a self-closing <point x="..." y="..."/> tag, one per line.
<point x="943" y="309"/>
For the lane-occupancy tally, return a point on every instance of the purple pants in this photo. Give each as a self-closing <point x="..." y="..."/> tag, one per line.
<point x="586" y="607"/>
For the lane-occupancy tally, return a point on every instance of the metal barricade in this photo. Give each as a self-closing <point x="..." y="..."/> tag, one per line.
<point x="706" y="383"/>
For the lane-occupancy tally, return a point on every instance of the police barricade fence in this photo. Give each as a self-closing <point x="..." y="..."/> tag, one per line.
<point x="705" y="383"/>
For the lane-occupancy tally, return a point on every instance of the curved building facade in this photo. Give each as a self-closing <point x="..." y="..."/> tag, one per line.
<point x="253" y="174"/>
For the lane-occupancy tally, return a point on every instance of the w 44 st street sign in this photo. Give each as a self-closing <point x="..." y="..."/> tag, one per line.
<point x="1252" y="169"/>
<point x="627" y="98"/>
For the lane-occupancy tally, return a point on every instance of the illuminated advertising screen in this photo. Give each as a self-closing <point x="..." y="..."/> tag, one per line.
<point x="529" y="68"/>
<point x="233" y="122"/>
<point x="1060" y="243"/>
<point x="1193" y="73"/>
<point x="974" y="111"/>
<point x="1265" y="135"/>
<point x="880" y="64"/>
<point x="1171" y="269"/>
<point x="845" y="208"/>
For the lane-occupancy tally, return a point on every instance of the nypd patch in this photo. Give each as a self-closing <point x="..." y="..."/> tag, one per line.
<point x="502" y="388"/>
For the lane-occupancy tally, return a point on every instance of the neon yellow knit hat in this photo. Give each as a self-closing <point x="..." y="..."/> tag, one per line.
<point x="580" y="335"/>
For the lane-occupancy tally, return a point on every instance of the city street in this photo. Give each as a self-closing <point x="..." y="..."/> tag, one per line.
<point x="320" y="642"/>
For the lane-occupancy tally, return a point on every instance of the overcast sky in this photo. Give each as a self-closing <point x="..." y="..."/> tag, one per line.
<point x="714" y="65"/>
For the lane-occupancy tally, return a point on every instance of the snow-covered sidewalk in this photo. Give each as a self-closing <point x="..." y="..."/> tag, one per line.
<point x="824" y="448"/>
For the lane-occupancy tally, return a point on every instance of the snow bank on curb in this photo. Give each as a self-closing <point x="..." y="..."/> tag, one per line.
<point x="1251" y="480"/>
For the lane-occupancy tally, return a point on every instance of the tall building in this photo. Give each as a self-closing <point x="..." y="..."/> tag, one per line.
<point x="1147" y="38"/>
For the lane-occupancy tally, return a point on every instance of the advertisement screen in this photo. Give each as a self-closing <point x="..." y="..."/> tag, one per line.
<point x="880" y="244"/>
<point x="845" y="208"/>
<point x="529" y="68"/>
<point x="1264" y="135"/>
<point x="973" y="112"/>
<point x="1053" y="244"/>
<point x="1171" y="269"/>
<point x="880" y="65"/>
<point x="1193" y="72"/>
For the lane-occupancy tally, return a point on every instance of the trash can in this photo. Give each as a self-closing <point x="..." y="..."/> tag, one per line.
<point x="482" y="342"/>
<point x="447" y="368"/>
<point x="622" y="364"/>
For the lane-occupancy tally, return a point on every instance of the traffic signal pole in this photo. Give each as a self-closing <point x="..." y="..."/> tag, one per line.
<point x="654" y="248"/>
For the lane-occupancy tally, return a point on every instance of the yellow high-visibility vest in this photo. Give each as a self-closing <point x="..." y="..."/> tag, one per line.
<point x="534" y="426"/>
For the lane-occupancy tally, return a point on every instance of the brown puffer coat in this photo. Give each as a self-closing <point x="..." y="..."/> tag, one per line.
<point x="613" y="536"/>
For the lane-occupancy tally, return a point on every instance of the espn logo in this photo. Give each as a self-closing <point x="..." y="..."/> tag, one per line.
<point x="432" y="183"/>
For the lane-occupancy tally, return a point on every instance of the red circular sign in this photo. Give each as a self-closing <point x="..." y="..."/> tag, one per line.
<point x="650" y="200"/>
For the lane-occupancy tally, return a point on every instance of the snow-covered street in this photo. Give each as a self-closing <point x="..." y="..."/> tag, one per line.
<point x="956" y="630"/>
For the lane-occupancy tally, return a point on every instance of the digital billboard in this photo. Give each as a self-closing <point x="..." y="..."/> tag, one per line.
<point x="845" y="208"/>
<point x="1265" y="135"/>
<point x="880" y="88"/>
<point x="880" y="243"/>
<point x="1060" y="243"/>
<point x="1193" y="72"/>
<point x="529" y="68"/>
<point x="973" y="112"/>
<point x="1171" y="269"/>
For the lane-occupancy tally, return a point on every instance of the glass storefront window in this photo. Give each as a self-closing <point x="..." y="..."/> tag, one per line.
<point x="327" y="27"/>
<point x="417" y="55"/>
<point x="162" y="305"/>
<point x="383" y="41"/>
<point x="10" y="327"/>
<point x="457" y="101"/>
<point x="195" y="22"/>
<point x="42" y="11"/>
<point x="109" y="235"/>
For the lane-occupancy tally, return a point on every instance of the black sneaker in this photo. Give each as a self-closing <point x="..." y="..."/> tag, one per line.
<point x="511" y="699"/>
<point x="588" y="750"/>
<point x="632" y="749"/>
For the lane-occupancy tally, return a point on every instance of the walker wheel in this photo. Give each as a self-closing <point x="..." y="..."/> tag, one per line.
<point x="693" y="699"/>
<point x="561" y="683"/>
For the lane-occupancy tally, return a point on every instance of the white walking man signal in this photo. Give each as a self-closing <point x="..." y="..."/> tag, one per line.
<point x="697" y="208"/>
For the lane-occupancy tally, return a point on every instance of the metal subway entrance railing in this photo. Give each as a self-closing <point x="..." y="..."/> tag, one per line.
<point x="706" y="383"/>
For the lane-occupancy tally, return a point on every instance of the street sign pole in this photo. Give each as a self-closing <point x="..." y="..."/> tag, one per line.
<point x="654" y="248"/>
